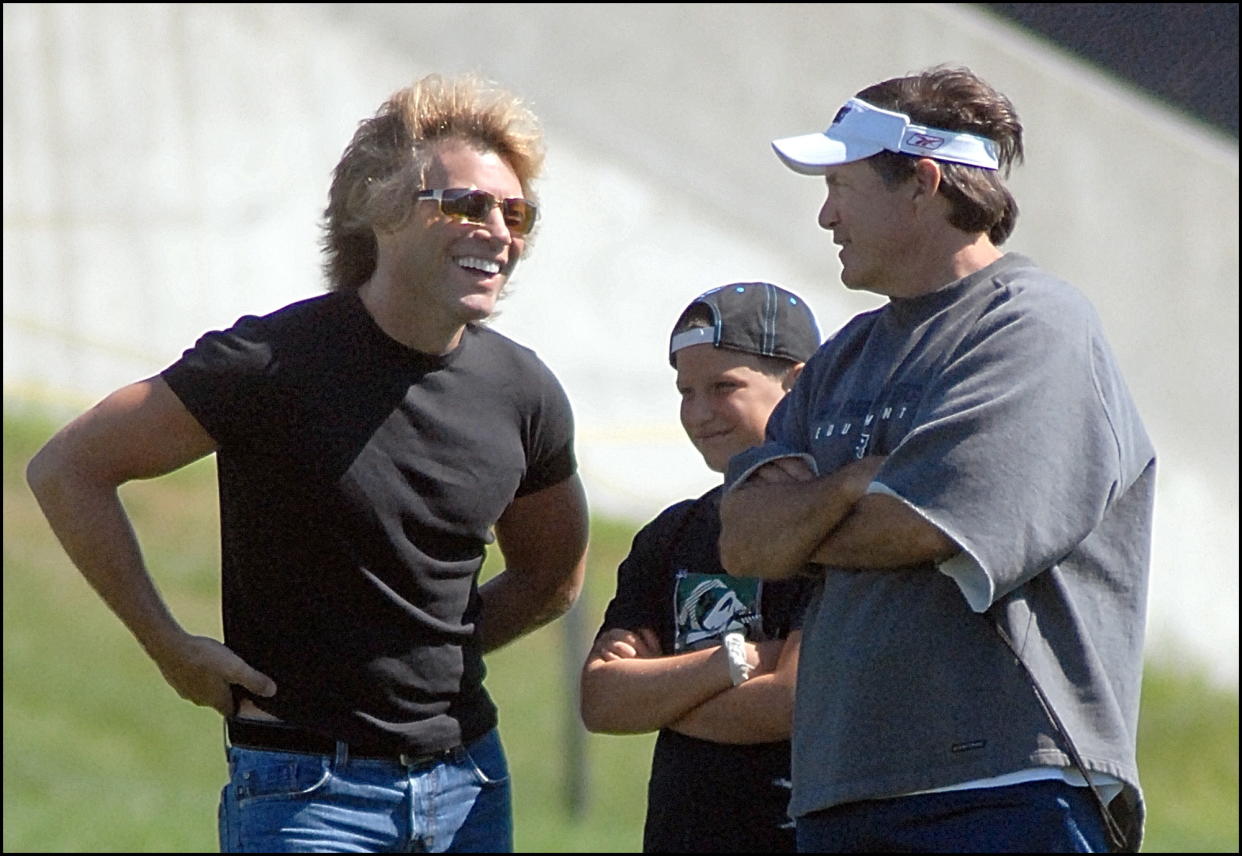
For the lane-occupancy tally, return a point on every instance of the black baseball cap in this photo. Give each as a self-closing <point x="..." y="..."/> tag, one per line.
<point x="753" y="317"/>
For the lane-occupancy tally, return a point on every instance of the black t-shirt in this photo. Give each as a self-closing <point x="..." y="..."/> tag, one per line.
<point x="705" y="796"/>
<point x="359" y="481"/>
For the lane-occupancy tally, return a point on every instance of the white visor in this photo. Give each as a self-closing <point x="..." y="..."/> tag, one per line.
<point x="861" y="130"/>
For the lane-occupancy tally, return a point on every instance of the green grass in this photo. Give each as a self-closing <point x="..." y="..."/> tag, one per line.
<point x="101" y="755"/>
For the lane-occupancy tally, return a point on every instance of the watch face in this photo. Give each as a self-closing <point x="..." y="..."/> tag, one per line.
<point x="707" y="606"/>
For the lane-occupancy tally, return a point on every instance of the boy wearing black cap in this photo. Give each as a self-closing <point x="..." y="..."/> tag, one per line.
<point x="706" y="658"/>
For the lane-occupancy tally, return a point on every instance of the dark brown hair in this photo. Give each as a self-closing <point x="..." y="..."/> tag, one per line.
<point x="956" y="99"/>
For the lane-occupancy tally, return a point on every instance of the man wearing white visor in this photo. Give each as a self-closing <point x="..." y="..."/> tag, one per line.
<point x="861" y="130"/>
<point x="972" y="656"/>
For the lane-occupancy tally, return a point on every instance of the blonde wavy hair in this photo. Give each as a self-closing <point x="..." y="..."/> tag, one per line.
<point x="385" y="164"/>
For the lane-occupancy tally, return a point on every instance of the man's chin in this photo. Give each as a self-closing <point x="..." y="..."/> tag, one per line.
<point x="476" y="308"/>
<point x="857" y="283"/>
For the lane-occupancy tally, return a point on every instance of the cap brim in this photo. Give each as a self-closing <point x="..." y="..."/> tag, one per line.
<point x="812" y="154"/>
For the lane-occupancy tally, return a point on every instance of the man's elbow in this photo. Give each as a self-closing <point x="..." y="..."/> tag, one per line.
<point x="567" y="592"/>
<point x="46" y="472"/>
<point x="744" y="555"/>
<point x="562" y="601"/>
<point x="38" y="472"/>
<point x="586" y="706"/>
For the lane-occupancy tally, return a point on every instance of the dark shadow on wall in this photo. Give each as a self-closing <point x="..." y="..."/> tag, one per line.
<point x="1185" y="54"/>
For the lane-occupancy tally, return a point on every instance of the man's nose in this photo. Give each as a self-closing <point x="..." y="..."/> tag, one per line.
<point x="828" y="214"/>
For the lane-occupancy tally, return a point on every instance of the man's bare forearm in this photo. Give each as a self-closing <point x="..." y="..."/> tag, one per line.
<point x="91" y="524"/>
<point x="88" y="518"/>
<point x="543" y="538"/>
<point x="772" y="529"/>
<point x="884" y="532"/>
<point x="517" y="602"/>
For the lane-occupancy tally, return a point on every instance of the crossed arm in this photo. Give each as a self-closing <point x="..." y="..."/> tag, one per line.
<point x="628" y="687"/>
<point x="783" y="517"/>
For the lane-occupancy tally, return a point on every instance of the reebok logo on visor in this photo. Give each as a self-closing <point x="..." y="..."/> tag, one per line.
<point x="924" y="141"/>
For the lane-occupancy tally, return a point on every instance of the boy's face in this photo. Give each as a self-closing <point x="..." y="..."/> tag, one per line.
<point x="725" y="401"/>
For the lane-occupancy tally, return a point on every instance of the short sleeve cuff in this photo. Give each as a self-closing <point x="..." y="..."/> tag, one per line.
<point x="964" y="569"/>
<point x="744" y="464"/>
<point x="971" y="579"/>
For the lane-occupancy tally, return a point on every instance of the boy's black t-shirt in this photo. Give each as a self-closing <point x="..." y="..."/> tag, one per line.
<point x="359" y="481"/>
<point x="705" y="796"/>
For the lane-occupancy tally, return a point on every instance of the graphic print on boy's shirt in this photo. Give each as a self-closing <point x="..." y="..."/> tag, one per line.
<point x="707" y="606"/>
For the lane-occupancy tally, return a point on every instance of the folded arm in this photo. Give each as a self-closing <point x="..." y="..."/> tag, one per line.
<point x="629" y="688"/>
<point x="760" y="710"/>
<point x="883" y="532"/>
<point x="543" y="538"/>
<point x="777" y="521"/>
<point x="773" y="522"/>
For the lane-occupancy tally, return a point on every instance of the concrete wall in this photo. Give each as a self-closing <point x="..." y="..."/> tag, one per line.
<point x="165" y="168"/>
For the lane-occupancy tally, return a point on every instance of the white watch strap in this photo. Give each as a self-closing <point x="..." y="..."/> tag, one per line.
<point x="735" y="648"/>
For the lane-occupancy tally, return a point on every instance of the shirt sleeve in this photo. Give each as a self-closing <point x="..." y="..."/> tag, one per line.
<point x="224" y="381"/>
<point x="638" y="601"/>
<point x="1014" y="453"/>
<point x="743" y="465"/>
<point x="550" y="440"/>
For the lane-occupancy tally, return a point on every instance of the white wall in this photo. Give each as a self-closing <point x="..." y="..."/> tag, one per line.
<point x="165" y="168"/>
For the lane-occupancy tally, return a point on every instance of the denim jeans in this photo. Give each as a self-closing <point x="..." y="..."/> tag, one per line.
<point x="286" y="802"/>
<point x="1032" y="817"/>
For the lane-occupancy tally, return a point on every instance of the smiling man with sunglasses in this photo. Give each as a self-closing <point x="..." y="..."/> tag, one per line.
<point x="370" y="442"/>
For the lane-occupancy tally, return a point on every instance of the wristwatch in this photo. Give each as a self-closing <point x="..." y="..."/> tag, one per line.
<point x="735" y="648"/>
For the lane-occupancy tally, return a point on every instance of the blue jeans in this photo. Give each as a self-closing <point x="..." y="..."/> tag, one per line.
<point x="286" y="802"/>
<point x="1033" y="817"/>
